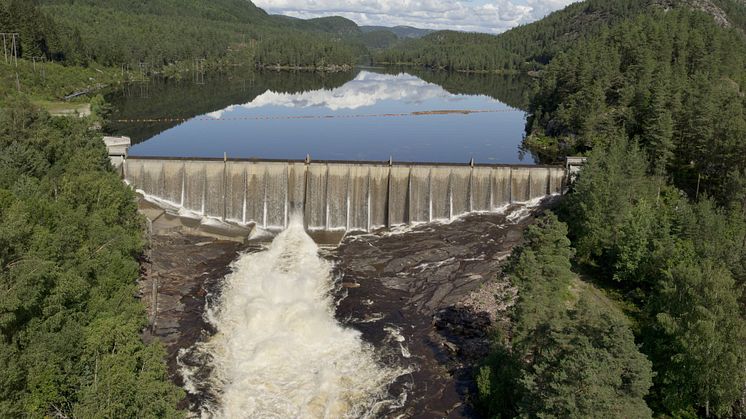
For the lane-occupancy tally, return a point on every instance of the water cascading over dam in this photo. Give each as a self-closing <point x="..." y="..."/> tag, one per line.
<point x="278" y="351"/>
<point x="337" y="195"/>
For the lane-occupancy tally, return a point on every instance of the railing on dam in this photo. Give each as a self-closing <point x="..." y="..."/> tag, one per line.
<point x="337" y="195"/>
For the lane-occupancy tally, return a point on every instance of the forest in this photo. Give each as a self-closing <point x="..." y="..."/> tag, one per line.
<point x="673" y="82"/>
<point x="656" y="220"/>
<point x="70" y="239"/>
<point x="529" y="47"/>
<point x="160" y="33"/>
<point x="630" y="299"/>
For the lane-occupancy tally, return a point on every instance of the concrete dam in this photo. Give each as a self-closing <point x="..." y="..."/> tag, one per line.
<point x="335" y="195"/>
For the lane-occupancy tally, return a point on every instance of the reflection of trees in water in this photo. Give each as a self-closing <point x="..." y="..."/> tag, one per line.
<point x="184" y="99"/>
<point x="180" y="100"/>
<point x="512" y="89"/>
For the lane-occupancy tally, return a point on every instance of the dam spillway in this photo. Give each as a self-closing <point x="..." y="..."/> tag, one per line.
<point x="336" y="195"/>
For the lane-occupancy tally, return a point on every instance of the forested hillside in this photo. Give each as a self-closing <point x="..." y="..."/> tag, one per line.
<point x="161" y="32"/>
<point x="400" y="31"/>
<point x="673" y="81"/>
<point x="530" y="46"/>
<point x="70" y="237"/>
<point x="656" y="218"/>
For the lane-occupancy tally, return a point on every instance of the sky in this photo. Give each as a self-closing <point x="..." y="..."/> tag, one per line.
<point x="492" y="16"/>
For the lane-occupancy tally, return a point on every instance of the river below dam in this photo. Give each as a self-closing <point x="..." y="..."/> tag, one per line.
<point x="386" y="324"/>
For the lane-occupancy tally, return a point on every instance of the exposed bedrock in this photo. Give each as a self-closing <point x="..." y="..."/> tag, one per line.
<point x="429" y="298"/>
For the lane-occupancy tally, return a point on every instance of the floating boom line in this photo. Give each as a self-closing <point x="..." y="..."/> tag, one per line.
<point x="302" y="117"/>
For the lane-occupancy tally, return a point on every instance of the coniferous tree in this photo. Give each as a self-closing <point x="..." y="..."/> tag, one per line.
<point x="697" y="338"/>
<point x="657" y="126"/>
<point x="570" y="356"/>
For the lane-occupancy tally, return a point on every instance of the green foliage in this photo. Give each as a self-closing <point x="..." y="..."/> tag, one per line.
<point x="659" y="97"/>
<point x="684" y="265"/>
<point x="39" y="35"/>
<point x="523" y="48"/>
<point x="589" y="367"/>
<point x="672" y="80"/>
<point x="542" y="271"/>
<point x="168" y="35"/>
<point x="696" y="337"/>
<point x="457" y="51"/>
<point x="612" y="182"/>
<point x="531" y="46"/>
<point x="70" y="236"/>
<point x="496" y="379"/>
<point x="52" y="81"/>
<point x="304" y="51"/>
<point x="379" y="39"/>
<point x="572" y="354"/>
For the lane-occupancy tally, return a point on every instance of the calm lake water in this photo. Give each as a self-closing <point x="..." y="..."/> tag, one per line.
<point x="364" y="115"/>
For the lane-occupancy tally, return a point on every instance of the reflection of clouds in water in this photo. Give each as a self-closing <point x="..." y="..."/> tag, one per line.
<point x="367" y="89"/>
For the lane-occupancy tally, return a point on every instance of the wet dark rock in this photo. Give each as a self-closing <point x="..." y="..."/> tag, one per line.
<point x="422" y="283"/>
<point x="178" y="274"/>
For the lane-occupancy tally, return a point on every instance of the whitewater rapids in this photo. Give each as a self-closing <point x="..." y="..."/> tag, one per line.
<point x="278" y="351"/>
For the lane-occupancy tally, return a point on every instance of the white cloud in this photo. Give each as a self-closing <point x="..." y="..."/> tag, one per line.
<point x="541" y="8"/>
<point x="465" y="15"/>
<point x="367" y="89"/>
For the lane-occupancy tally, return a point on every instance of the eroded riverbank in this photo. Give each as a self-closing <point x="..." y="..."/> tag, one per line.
<point x="425" y="298"/>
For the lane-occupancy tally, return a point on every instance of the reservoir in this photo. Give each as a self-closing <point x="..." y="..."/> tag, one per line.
<point x="368" y="114"/>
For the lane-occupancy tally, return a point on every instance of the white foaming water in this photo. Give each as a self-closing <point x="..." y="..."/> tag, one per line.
<point x="278" y="351"/>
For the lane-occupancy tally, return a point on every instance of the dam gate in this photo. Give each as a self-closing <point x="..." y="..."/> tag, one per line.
<point x="336" y="195"/>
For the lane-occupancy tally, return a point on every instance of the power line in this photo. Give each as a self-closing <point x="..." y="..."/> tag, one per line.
<point x="14" y="40"/>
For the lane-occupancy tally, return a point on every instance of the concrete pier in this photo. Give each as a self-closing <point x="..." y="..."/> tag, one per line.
<point x="117" y="148"/>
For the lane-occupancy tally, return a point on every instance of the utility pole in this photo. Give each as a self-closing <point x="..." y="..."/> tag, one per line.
<point x="15" y="49"/>
<point x="42" y="63"/>
<point x="12" y="53"/>
<point x="199" y="71"/>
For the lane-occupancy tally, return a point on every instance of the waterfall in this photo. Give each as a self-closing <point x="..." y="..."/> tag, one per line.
<point x="278" y="351"/>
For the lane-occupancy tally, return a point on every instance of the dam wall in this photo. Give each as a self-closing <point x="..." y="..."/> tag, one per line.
<point x="337" y="195"/>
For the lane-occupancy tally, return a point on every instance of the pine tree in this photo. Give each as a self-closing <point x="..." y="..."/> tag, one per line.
<point x="697" y="339"/>
<point x="571" y="356"/>
<point x="657" y="125"/>
<point x="591" y="367"/>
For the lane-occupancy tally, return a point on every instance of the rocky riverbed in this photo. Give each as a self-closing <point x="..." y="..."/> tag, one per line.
<point x="426" y="297"/>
